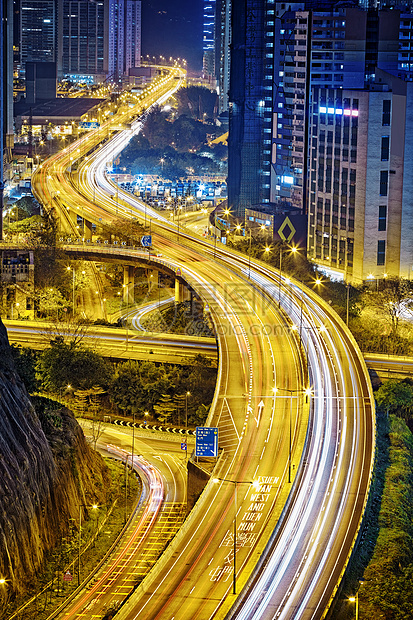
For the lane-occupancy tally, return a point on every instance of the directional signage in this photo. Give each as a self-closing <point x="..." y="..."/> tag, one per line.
<point x="146" y="241"/>
<point x="206" y="441"/>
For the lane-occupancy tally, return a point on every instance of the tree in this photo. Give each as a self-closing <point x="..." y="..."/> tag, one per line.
<point x="25" y="363"/>
<point x="48" y="257"/>
<point x="197" y="101"/>
<point x="50" y="302"/>
<point x="139" y="385"/>
<point x="396" y="397"/>
<point x="67" y="364"/>
<point x="394" y="296"/>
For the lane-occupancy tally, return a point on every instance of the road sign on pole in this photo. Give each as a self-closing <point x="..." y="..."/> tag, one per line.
<point x="206" y="441"/>
<point x="146" y="241"/>
<point x="184" y="446"/>
<point x="67" y="576"/>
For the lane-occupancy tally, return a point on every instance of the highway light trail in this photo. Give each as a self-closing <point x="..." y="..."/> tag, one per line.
<point x="140" y="527"/>
<point x="303" y="554"/>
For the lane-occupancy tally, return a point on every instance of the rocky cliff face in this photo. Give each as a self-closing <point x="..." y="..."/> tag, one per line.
<point x="46" y="471"/>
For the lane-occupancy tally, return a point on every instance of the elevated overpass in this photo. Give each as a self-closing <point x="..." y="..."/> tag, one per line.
<point x="295" y="414"/>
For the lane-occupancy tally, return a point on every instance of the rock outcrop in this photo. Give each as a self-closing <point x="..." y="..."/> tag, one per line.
<point x="47" y="470"/>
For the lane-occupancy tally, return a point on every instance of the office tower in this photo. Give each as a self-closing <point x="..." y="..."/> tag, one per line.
<point x="82" y="40"/>
<point x="133" y="34"/>
<point x="209" y="39"/>
<point x="6" y="98"/>
<point x="339" y="48"/>
<point x="251" y="105"/>
<point x="98" y="39"/>
<point x="361" y="188"/>
<point x="222" y="52"/>
<point x="37" y="31"/>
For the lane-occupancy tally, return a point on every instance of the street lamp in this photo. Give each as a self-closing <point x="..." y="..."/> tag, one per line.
<point x="293" y="250"/>
<point x="308" y="392"/>
<point x="186" y="423"/>
<point x="355" y="599"/>
<point x="73" y="286"/>
<point x="226" y="212"/>
<point x="256" y="484"/>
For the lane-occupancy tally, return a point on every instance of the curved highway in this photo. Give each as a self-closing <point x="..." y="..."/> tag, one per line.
<point x="296" y="434"/>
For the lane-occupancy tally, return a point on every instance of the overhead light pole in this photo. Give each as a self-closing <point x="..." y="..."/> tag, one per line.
<point x="235" y="483"/>
<point x="308" y="392"/>
<point x="186" y="423"/>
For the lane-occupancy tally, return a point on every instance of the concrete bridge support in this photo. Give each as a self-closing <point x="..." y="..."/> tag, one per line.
<point x="181" y="292"/>
<point x="128" y="284"/>
<point x="153" y="278"/>
<point x="87" y="229"/>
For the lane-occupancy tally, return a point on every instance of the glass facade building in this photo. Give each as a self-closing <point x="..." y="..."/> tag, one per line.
<point x="98" y="38"/>
<point x="37" y="31"/>
<point x="208" y="39"/>
<point x="251" y="105"/>
<point x="82" y="25"/>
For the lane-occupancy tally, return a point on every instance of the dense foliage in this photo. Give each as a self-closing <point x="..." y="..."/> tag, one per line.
<point x="164" y="390"/>
<point x="180" y="318"/>
<point x="388" y="579"/>
<point x="173" y="142"/>
<point x="66" y="364"/>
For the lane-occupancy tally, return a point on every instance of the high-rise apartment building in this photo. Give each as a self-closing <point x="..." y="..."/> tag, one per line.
<point x="6" y="99"/>
<point x="361" y="186"/>
<point x="37" y="31"/>
<point x="222" y="52"/>
<point x="209" y="40"/>
<point x="91" y="40"/>
<point x="83" y="39"/>
<point x="124" y="36"/>
<point x="339" y="48"/>
<point x="133" y="28"/>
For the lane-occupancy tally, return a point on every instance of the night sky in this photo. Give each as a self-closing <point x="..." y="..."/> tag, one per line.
<point x="173" y="28"/>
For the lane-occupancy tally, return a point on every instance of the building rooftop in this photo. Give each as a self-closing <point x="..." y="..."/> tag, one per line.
<point x="59" y="110"/>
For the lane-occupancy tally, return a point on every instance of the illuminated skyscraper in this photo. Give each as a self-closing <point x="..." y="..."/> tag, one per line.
<point x="222" y="51"/>
<point x="6" y="99"/>
<point x="209" y="39"/>
<point x="37" y="31"/>
<point x="83" y="40"/>
<point x="98" y="38"/>
<point x="251" y="105"/>
<point x="361" y="158"/>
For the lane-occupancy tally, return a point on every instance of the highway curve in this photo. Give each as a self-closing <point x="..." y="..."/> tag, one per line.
<point x="298" y="533"/>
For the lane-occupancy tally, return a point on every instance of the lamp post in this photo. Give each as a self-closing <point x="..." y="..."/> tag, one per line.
<point x="226" y="212"/>
<point x="186" y="423"/>
<point x="308" y="392"/>
<point x="235" y="483"/>
<point x="347" y="301"/>
<point x="355" y="599"/>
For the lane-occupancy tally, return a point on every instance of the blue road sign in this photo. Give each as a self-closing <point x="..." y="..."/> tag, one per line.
<point x="184" y="446"/>
<point x="146" y="241"/>
<point x="206" y="441"/>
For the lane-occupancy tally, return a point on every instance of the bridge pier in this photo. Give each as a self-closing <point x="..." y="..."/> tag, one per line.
<point x="72" y="216"/>
<point x="153" y="278"/>
<point x="87" y="229"/>
<point x="181" y="292"/>
<point x="128" y="284"/>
